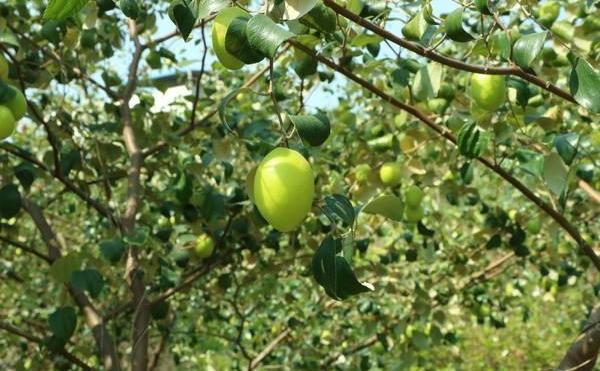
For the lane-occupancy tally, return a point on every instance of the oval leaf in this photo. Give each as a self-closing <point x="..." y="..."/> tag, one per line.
<point x="388" y="206"/>
<point x="528" y="47"/>
<point x="454" y="27"/>
<point x="584" y="83"/>
<point x="266" y="36"/>
<point x="312" y="129"/>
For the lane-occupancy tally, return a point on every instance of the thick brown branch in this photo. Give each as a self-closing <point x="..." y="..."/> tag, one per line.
<point x="448" y="61"/>
<point x="104" y="341"/>
<point x="442" y="131"/>
<point x="133" y="273"/>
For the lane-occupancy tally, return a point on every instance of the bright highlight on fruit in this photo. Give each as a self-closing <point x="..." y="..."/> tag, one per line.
<point x="488" y="91"/>
<point x="219" y="31"/>
<point x="204" y="246"/>
<point x="284" y="189"/>
<point x="390" y="173"/>
<point x="7" y="122"/>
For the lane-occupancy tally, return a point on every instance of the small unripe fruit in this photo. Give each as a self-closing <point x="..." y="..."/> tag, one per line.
<point x="413" y="196"/>
<point x="488" y="91"/>
<point x="219" y="31"/>
<point x="548" y="13"/>
<point x="18" y="104"/>
<point x="7" y="122"/>
<point x="390" y="173"/>
<point x="204" y="246"/>
<point x="534" y="226"/>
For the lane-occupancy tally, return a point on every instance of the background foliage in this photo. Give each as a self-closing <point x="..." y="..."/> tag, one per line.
<point x="107" y="183"/>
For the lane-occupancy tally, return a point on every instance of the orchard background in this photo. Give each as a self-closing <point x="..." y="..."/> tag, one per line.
<point x="128" y="239"/>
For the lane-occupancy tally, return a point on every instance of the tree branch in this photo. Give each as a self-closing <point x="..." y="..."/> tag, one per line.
<point x="25" y="248"/>
<point x="444" y="132"/>
<point x="133" y="273"/>
<point x="104" y="341"/>
<point x="448" y="61"/>
<point x="269" y="349"/>
<point x="583" y="353"/>
<point x="34" y="339"/>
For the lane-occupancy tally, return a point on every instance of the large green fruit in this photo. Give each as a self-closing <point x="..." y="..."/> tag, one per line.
<point x="413" y="196"/>
<point x="284" y="188"/>
<point x="488" y="91"/>
<point x="219" y="31"/>
<point x="204" y="246"/>
<point x="18" y="104"/>
<point x="3" y="68"/>
<point x="390" y="173"/>
<point x="7" y="122"/>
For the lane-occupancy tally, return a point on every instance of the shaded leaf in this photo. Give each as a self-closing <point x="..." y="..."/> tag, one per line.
<point x="566" y="146"/>
<point x="555" y="173"/>
<point x="63" y="322"/>
<point x="89" y="280"/>
<point x="183" y="17"/>
<point x="312" y="129"/>
<point x="112" y="250"/>
<point x="339" y="206"/>
<point x="454" y="27"/>
<point x="10" y="201"/>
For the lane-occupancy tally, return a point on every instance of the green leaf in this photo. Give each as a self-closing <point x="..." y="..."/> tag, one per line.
<point x="203" y="8"/>
<point x="339" y="206"/>
<point x="138" y="237"/>
<point x="500" y="45"/>
<point x="63" y="322"/>
<point x="89" y="280"/>
<point x="237" y="44"/>
<point x="294" y="9"/>
<point x="223" y="106"/>
<point x="25" y="172"/>
<point x="62" y="268"/>
<point x="483" y="6"/>
<point x="416" y="27"/>
<point x="130" y="8"/>
<point x="364" y="39"/>
<point x="265" y="35"/>
<point x="321" y="18"/>
<point x="183" y="17"/>
<point x="334" y="273"/>
<point x="454" y="27"/>
<point x="184" y="187"/>
<point x="528" y="47"/>
<point x="555" y="173"/>
<point x="388" y="206"/>
<point x="311" y="128"/>
<point x="10" y="201"/>
<point x="469" y="140"/>
<point x="6" y="92"/>
<point x="584" y="82"/>
<point x="566" y="146"/>
<point x="112" y="250"/>
<point x="62" y="9"/>
<point x="428" y="81"/>
<point x="303" y="64"/>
